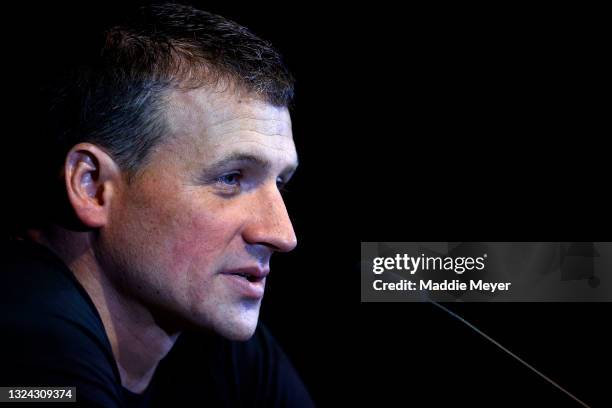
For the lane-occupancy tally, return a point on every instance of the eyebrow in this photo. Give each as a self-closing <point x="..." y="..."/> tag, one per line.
<point x="258" y="161"/>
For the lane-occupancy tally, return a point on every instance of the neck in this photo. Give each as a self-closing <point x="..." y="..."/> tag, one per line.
<point x="137" y="341"/>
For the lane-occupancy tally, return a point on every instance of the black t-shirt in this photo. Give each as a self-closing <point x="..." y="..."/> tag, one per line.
<point x="52" y="335"/>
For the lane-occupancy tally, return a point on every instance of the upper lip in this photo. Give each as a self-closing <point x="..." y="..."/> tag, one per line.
<point x="254" y="271"/>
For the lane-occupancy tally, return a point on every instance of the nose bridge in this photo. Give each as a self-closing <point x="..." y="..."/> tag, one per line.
<point x="271" y="223"/>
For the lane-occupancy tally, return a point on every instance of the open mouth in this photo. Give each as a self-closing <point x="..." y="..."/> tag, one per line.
<point x="248" y="282"/>
<point x="250" y="278"/>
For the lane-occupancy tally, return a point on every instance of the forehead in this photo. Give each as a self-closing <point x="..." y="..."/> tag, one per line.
<point x="213" y="123"/>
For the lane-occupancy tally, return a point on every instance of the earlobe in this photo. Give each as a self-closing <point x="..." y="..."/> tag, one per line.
<point x="90" y="176"/>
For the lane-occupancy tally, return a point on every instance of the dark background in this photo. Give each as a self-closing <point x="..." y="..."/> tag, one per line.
<point x="414" y="124"/>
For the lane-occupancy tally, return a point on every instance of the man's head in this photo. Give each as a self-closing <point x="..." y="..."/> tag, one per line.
<point x="173" y="146"/>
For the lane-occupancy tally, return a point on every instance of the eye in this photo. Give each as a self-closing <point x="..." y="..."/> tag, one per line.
<point x="230" y="179"/>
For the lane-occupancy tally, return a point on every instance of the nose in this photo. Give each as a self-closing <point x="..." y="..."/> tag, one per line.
<point x="269" y="222"/>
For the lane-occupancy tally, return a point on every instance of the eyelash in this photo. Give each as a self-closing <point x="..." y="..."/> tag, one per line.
<point x="223" y="180"/>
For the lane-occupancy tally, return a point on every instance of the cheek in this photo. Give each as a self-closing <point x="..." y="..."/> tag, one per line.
<point x="202" y="247"/>
<point x="186" y="235"/>
<point x="200" y="242"/>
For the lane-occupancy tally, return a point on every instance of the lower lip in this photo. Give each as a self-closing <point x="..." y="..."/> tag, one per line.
<point x="247" y="288"/>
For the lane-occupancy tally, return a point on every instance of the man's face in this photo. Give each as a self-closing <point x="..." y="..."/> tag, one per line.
<point x="193" y="233"/>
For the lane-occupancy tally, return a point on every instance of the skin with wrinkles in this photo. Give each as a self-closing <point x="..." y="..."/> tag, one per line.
<point x="178" y="225"/>
<point x="156" y="253"/>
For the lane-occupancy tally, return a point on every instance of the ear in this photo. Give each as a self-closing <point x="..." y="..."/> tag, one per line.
<point x="92" y="179"/>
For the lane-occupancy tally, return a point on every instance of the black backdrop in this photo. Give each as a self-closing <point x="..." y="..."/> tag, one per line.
<point x="413" y="124"/>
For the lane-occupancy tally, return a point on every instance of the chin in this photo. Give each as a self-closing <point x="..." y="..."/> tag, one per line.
<point x="236" y="332"/>
<point x="238" y="327"/>
<point x="235" y="321"/>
